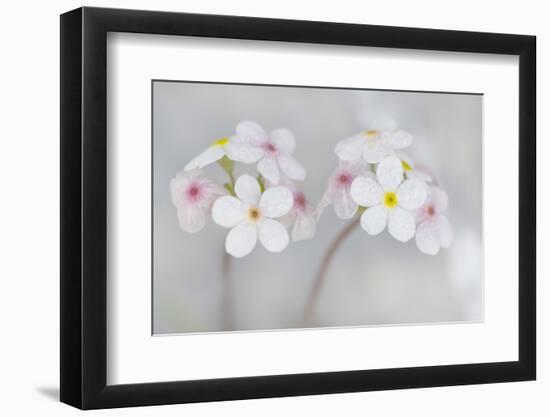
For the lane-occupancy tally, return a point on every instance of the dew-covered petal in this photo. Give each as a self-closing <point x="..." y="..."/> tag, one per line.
<point x="344" y="206"/>
<point x="248" y="189"/>
<point x="411" y="194"/>
<point x="445" y="231"/>
<point x="439" y="199"/>
<point x="242" y="151"/>
<point x="250" y="132"/>
<point x="350" y="149"/>
<point x="267" y="166"/>
<point x="427" y="237"/>
<point x="283" y="139"/>
<point x="375" y="150"/>
<point x="390" y="173"/>
<point x="276" y="202"/>
<point x="401" y="224"/>
<point x="374" y="219"/>
<point x="366" y="192"/>
<point x="398" y="139"/>
<point x="208" y="156"/>
<point x="241" y="240"/>
<point x="291" y="167"/>
<point x="191" y="218"/>
<point x="273" y="236"/>
<point x="228" y="211"/>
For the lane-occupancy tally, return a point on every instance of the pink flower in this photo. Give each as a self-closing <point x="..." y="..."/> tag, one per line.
<point x="338" y="189"/>
<point x="434" y="230"/>
<point x="193" y="196"/>
<point x="273" y="152"/>
<point x="304" y="220"/>
<point x="302" y="214"/>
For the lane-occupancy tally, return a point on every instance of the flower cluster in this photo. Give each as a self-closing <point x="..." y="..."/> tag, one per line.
<point x="374" y="179"/>
<point x="378" y="180"/>
<point x="253" y="208"/>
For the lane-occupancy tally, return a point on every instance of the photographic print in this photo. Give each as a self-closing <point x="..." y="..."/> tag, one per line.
<point x="294" y="207"/>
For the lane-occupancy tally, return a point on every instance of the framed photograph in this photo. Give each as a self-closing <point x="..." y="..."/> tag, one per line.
<point x="258" y="208"/>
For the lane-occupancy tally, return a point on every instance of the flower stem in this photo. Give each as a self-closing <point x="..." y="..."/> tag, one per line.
<point x="320" y="277"/>
<point x="226" y="303"/>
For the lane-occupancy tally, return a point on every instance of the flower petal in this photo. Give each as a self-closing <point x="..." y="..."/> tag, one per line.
<point x="411" y="194"/>
<point x="207" y="157"/>
<point x="439" y="199"/>
<point x="304" y="227"/>
<point x="210" y="191"/>
<point x="375" y="150"/>
<point x="269" y="169"/>
<point x="283" y="139"/>
<point x="242" y="151"/>
<point x="276" y="202"/>
<point x="374" y="219"/>
<point x="390" y="173"/>
<point x="228" y="211"/>
<point x="241" y="240"/>
<point x="248" y="189"/>
<point x="366" y="192"/>
<point x="445" y="231"/>
<point x="406" y="158"/>
<point x="398" y="139"/>
<point x="344" y="206"/>
<point x="419" y="174"/>
<point x="273" y="236"/>
<point x="401" y="224"/>
<point x="350" y="149"/>
<point x="291" y="167"/>
<point x="427" y="237"/>
<point x="191" y="218"/>
<point x="177" y="189"/>
<point x="326" y="200"/>
<point x="251" y="132"/>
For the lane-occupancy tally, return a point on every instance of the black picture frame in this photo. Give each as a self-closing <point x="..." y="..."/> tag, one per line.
<point x="84" y="207"/>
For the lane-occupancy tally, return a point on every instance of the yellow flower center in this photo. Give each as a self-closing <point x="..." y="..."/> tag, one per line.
<point x="390" y="199"/>
<point x="221" y="142"/>
<point x="371" y="134"/>
<point x="254" y="214"/>
<point x="406" y="166"/>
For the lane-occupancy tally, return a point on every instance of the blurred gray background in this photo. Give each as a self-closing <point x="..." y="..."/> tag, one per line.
<point x="374" y="280"/>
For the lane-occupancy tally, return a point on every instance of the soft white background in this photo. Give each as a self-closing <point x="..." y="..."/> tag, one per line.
<point x="29" y="213"/>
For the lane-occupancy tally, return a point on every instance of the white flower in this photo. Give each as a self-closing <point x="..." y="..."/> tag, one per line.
<point x="389" y="200"/>
<point x="250" y="216"/>
<point x="213" y="153"/>
<point x="338" y="190"/>
<point x="434" y="229"/>
<point x="193" y="195"/>
<point x="374" y="144"/>
<point x="411" y="170"/>
<point x="272" y="152"/>
<point x="241" y="150"/>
